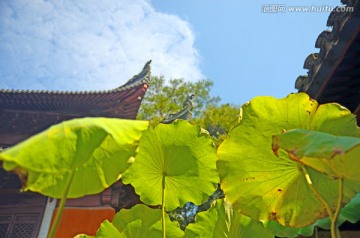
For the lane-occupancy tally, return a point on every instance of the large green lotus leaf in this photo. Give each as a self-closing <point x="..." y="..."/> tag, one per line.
<point x="269" y="187"/>
<point x="89" y="153"/>
<point x="222" y="221"/>
<point x="336" y="156"/>
<point x="106" y="230"/>
<point x="142" y="222"/>
<point x="287" y="231"/>
<point x="348" y="213"/>
<point x="181" y="153"/>
<point x="351" y="210"/>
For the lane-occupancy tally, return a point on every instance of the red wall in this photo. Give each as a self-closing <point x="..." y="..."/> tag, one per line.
<point x="87" y="221"/>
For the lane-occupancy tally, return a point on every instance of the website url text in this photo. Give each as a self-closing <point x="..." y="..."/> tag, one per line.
<point x="282" y="8"/>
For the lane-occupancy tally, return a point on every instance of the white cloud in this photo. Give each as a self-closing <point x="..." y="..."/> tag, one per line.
<point x="90" y="44"/>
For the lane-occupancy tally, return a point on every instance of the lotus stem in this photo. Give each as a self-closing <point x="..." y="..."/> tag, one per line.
<point x="61" y="205"/>
<point x="334" y="229"/>
<point x="316" y="193"/>
<point x="163" y="206"/>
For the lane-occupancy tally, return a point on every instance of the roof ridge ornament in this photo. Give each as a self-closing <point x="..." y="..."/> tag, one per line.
<point x="185" y="113"/>
<point x="143" y="75"/>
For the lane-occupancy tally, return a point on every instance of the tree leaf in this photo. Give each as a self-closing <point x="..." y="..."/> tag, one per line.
<point x="181" y="153"/>
<point x="92" y="151"/>
<point x="336" y="156"/>
<point x="167" y="96"/>
<point x="142" y="221"/>
<point x="269" y="187"/>
<point x="218" y="120"/>
<point x="222" y="221"/>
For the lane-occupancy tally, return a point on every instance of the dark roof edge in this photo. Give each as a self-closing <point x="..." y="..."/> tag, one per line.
<point x="143" y="77"/>
<point x="333" y="46"/>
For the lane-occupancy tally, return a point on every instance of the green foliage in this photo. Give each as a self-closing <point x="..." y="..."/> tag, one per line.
<point x="142" y="221"/>
<point x="222" y="221"/>
<point x="163" y="98"/>
<point x="336" y="156"/>
<point x="286" y="162"/>
<point x="106" y="230"/>
<point x="178" y="154"/>
<point x="84" y="156"/>
<point x="269" y="187"/>
<point x="218" y="120"/>
<point x="349" y="213"/>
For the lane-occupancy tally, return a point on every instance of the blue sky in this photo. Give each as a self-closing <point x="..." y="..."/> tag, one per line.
<point x="98" y="45"/>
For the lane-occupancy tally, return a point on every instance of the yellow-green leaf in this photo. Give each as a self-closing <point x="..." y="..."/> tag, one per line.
<point x="336" y="156"/>
<point x="142" y="222"/>
<point x="182" y="156"/>
<point x="269" y="187"/>
<point x="85" y="155"/>
<point x="221" y="221"/>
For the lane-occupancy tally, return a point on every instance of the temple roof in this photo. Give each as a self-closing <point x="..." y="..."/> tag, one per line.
<point x="24" y="113"/>
<point x="334" y="72"/>
<point x="121" y="102"/>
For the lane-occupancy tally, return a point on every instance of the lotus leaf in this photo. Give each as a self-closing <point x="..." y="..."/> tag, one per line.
<point x="266" y="186"/>
<point x="178" y="159"/>
<point x="76" y="157"/>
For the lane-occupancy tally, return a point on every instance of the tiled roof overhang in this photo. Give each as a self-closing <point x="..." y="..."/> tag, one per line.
<point x="24" y="113"/>
<point x="121" y="102"/>
<point x="334" y="72"/>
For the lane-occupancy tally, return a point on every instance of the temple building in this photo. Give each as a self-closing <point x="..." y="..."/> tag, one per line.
<point x="334" y="72"/>
<point x="25" y="113"/>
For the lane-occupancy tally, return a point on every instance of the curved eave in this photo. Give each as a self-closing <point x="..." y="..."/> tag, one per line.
<point x="122" y="102"/>
<point x="333" y="73"/>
